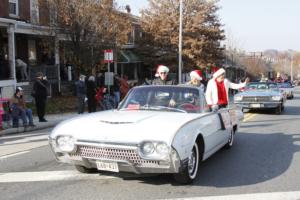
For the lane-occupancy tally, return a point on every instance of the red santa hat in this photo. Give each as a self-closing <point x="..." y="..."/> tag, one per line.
<point x="214" y="69"/>
<point x="219" y="72"/>
<point x="196" y="74"/>
<point x="161" y="68"/>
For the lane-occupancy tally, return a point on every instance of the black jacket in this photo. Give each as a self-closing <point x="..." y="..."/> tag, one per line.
<point x="80" y="88"/>
<point x="40" y="89"/>
<point x="158" y="81"/>
<point x="90" y="89"/>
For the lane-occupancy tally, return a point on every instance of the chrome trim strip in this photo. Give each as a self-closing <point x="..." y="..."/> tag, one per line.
<point x="107" y="145"/>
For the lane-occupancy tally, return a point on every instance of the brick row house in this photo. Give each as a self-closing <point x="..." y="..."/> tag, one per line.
<point x="24" y="35"/>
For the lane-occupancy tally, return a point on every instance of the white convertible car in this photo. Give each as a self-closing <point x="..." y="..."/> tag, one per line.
<point x="156" y="129"/>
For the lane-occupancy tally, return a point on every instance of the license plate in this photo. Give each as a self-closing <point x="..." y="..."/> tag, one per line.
<point x="107" y="166"/>
<point x="255" y="105"/>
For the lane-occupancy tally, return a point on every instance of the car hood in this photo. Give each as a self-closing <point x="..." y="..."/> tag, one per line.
<point x="259" y="93"/>
<point x="125" y="126"/>
<point x="286" y="89"/>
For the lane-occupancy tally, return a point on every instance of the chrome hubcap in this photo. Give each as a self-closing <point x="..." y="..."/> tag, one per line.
<point x="231" y="139"/>
<point x="193" y="162"/>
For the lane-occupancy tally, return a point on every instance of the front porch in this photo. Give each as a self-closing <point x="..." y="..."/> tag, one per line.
<point x="36" y="46"/>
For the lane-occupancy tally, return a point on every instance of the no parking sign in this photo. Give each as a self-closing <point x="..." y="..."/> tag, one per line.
<point x="108" y="55"/>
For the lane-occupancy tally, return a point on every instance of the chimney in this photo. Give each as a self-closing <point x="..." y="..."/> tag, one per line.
<point x="127" y="7"/>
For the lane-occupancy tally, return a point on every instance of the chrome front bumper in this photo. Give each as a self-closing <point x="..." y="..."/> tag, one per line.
<point x="126" y="157"/>
<point x="258" y="105"/>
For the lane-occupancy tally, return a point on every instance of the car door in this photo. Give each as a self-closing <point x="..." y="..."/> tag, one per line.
<point x="226" y="125"/>
<point x="217" y="134"/>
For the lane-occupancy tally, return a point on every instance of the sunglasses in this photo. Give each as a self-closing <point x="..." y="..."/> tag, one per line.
<point x="163" y="72"/>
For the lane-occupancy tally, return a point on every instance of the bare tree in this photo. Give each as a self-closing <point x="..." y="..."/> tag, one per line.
<point x="202" y="33"/>
<point x="88" y="24"/>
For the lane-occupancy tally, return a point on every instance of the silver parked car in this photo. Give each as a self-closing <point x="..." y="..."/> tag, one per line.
<point x="261" y="95"/>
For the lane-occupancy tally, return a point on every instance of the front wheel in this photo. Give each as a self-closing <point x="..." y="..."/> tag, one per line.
<point x="278" y="110"/>
<point x="230" y="140"/>
<point x="190" y="171"/>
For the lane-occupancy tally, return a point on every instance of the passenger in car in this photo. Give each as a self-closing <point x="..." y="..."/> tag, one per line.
<point x="196" y="78"/>
<point x="217" y="90"/>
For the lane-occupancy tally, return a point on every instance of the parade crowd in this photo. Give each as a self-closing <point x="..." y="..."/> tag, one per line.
<point x="92" y="91"/>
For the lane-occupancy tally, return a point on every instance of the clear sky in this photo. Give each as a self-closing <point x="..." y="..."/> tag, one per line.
<point x="254" y="25"/>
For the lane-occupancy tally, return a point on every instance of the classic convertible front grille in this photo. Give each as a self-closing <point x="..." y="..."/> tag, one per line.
<point x="256" y="99"/>
<point x="128" y="155"/>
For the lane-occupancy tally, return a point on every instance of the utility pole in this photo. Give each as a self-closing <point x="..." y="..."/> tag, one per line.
<point x="292" y="66"/>
<point x="180" y="43"/>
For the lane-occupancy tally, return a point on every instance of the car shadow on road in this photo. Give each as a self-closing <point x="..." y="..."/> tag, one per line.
<point x="255" y="158"/>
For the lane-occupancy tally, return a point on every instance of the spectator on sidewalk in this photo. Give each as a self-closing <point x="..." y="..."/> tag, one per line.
<point x="116" y="90"/>
<point x="124" y="86"/>
<point x="23" y="68"/>
<point x="91" y="94"/>
<point x="19" y="110"/>
<point x="146" y="81"/>
<point x="217" y="90"/>
<point x="40" y="92"/>
<point x="99" y="80"/>
<point x="80" y="93"/>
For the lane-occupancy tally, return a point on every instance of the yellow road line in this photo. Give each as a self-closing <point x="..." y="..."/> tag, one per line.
<point x="248" y="116"/>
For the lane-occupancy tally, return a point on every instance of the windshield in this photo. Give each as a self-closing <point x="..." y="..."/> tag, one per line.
<point x="261" y="86"/>
<point x="165" y="98"/>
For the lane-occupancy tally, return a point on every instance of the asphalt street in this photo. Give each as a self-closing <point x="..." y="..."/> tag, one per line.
<point x="263" y="164"/>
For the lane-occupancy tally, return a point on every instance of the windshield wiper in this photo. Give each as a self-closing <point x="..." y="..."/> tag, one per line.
<point x="156" y="108"/>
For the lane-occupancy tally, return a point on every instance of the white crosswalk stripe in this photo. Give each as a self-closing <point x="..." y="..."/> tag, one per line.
<point x="295" y="195"/>
<point x="15" y="177"/>
<point x="14" y="154"/>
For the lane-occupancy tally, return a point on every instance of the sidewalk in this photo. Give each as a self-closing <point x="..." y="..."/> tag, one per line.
<point x="52" y="120"/>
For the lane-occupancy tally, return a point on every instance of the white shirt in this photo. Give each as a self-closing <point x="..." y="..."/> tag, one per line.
<point x="211" y="94"/>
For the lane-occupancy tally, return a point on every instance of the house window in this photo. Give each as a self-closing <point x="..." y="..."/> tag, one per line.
<point x="13" y="8"/>
<point x="34" y="11"/>
<point x="32" y="52"/>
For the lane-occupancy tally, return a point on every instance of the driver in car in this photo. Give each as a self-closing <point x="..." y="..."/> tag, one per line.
<point x="163" y="79"/>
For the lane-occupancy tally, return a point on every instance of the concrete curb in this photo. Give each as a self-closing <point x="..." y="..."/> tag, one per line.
<point x="53" y="120"/>
<point x="10" y="131"/>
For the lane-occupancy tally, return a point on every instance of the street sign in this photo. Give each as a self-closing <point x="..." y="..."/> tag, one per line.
<point x="108" y="56"/>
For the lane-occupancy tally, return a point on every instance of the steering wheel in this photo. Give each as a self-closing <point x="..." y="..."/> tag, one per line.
<point x="188" y="107"/>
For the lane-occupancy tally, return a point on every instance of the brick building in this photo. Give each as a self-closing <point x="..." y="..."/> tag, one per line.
<point x="25" y="34"/>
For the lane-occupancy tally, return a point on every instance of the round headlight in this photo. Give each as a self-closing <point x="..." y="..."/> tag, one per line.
<point x="238" y="98"/>
<point x="276" y="98"/>
<point x="162" y="149"/>
<point x="147" y="148"/>
<point x="66" y="143"/>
